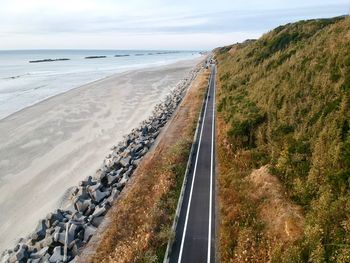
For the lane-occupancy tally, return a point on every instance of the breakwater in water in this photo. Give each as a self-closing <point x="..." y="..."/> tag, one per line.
<point x="62" y="234"/>
<point x="48" y="60"/>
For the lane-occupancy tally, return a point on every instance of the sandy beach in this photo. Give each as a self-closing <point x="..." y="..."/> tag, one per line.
<point x="51" y="146"/>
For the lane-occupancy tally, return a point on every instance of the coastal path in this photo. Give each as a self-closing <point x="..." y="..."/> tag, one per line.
<point x="195" y="231"/>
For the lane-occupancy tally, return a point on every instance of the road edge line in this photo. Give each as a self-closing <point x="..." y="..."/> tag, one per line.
<point x="183" y="187"/>
<point x="211" y="172"/>
<point x="193" y="178"/>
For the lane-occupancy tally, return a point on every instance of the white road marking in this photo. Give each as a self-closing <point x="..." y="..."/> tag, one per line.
<point x="193" y="178"/>
<point x="211" y="175"/>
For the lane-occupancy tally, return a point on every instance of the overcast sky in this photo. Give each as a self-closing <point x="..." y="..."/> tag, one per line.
<point x="149" y="24"/>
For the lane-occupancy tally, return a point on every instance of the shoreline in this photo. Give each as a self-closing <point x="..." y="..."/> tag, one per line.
<point x="126" y="70"/>
<point x="26" y="113"/>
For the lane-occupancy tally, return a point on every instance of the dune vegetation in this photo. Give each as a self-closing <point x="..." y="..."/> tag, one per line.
<point x="284" y="103"/>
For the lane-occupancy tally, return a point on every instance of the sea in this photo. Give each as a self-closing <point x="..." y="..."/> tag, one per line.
<point x="30" y="76"/>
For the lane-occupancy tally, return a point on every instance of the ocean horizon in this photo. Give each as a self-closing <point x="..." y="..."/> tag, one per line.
<point x="30" y="76"/>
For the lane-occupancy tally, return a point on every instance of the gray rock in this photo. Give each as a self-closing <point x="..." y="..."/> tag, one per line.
<point x="114" y="194"/>
<point x="88" y="181"/>
<point x="155" y="135"/>
<point x="59" y="237"/>
<point x="99" y="211"/>
<point x="49" y="231"/>
<point x="98" y="196"/>
<point x="137" y="161"/>
<point x="143" y="152"/>
<point x="44" y="259"/>
<point x="112" y="178"/>
<point x="123" y="181"/>
<point x="47" y="242"/>
<point x="61" y="226"/>
<point x="80" y="234"/>
<point x="20" y="253"/>
<point x="150" y="128"/>
<point x="37" y="260"/>
<point x="121" y="146"/>
<point x="74" y="247"/>
<point x="138" y="147"/>
<point x="5" y="257"/>
<point x="127" y="175"/>
<point x="57" y="255"/>
<point x="101" y="175"/>
<point x="125" y="161"/>
<point x="88" y="232"/>
<point x="40" y="231"/>
<point x="108" y="162"/>
<point x="17" y="247"/>
<point x="78" y="218"/>
<point x="74" y="260"/>
<point x="83" y="193"/>
<point x="93" y="188"/>
<point x="75" y="191"/>
<point x="96" y="221"/>
<point x="82" y="205"/>
<point x="73" y="229"/>
<point x="90" y="210"/>
<point x="41" y="253"/>
<point x="127" y="152"/>
<point x="116" y="158"/>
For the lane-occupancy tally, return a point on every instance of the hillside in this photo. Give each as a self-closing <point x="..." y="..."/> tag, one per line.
<point x="284" y="102"/>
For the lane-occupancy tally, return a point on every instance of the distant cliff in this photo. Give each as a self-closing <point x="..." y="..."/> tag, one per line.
<point x="284" y="100"/>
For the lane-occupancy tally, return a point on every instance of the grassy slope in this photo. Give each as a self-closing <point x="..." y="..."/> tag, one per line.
<point x="284" y="100"/>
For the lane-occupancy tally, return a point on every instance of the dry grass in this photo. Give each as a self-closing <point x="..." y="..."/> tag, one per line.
<point x="140" y="220"/>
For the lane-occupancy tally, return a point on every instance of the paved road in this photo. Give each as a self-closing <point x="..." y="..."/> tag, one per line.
<point x="195" y="232"/>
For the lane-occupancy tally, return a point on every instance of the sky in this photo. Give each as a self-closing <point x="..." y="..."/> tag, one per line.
<point x="149" y="24"/>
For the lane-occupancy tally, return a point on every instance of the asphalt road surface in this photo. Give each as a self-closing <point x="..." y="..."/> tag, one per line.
<point x="195" y="232"/>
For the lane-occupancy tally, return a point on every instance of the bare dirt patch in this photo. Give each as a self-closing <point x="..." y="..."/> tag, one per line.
<point x="232" y="51"/>
<point x="284" y="220"/>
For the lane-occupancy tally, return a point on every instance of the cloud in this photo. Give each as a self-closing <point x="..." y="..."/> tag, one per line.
<point x="44" y="20"/>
